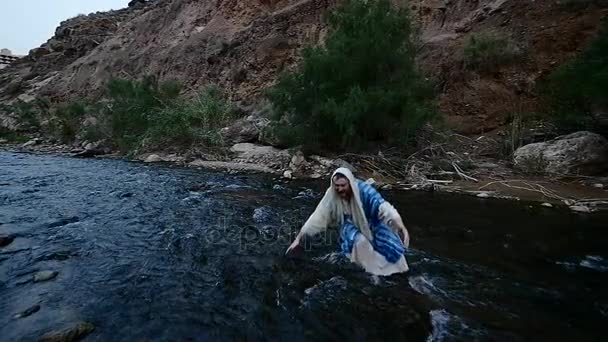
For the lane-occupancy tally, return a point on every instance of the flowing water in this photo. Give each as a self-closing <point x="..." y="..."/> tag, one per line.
<point x="148" y="252"/>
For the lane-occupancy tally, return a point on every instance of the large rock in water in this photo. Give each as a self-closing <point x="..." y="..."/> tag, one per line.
<point x="71" y="334"/>
<point x="582" y="153"/>
<point x="44" y="276"/>
<point x="6" y="239"/>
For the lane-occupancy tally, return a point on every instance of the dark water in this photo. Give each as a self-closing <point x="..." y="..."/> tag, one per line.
<point x="159" y="253"/>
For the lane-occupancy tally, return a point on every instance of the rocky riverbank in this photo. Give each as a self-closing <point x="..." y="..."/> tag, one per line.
<point x="531" y="176"/>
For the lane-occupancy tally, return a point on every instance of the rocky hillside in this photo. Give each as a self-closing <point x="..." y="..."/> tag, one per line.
<point x="243" y="45"/>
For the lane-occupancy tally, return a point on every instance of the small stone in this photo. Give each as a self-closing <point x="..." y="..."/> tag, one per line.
<point x="28" y="311"/>
<point x="316" y="175"/>
<point x="71" y="334"/>
<point x="287" y="174"/>
<point x="548" y="205"/>
<point x="598" y="185"/>
<point x="153" y="158"/>
<point x="580" y="208"/>
<point x="30" y="143"/>
<point x="44" y="276"/>
<point x="90" y="146"/>
<point x="483" y="195"/>
<point x="5" y="240"/>
<point x="297" y="160"/>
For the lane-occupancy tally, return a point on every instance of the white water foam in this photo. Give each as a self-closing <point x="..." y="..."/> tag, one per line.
<point x="331" y="258"/>
<point x="424" y="284"/>
<point x="439" y="320"/>
<point x="595" y="262"/>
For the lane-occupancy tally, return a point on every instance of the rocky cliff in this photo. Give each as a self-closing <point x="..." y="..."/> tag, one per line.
<point x="244" y="45"/>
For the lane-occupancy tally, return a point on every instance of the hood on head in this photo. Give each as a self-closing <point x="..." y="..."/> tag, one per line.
<point x="346" y="172"/>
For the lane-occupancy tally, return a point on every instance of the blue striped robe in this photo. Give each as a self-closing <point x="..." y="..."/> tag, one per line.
<point x="385" y="241"/>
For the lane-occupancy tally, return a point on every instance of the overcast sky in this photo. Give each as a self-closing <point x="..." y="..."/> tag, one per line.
<point x="26" y="24"/>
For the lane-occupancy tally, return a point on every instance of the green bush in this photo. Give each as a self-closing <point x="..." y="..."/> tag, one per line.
<point x="131" y="104"/>
<point x="67" y="121"/>
<point x="578" y="88"/>
<point x="152" y="115"/>
<point x="27" y="113"/>
<point x="12" y="136"/>
<point x="361" y="86"/>
<point x="487" y="51"/>
<point x="187" y="122"/>
<point x="135" y="114"/>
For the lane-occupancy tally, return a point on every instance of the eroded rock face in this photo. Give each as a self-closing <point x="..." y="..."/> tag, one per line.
<point x="243" y="46"/>
<point x="582" y="153"/>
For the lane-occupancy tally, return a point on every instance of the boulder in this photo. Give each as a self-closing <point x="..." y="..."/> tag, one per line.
<point x="32" y="142"/>
<point x="169" y="158"/>
<point x="90" y="146"/>
<point x="153" y="158"/>
<point x="28" y="312"/>
<point x="92" y="149"/>
<point x="44" y="276"/>
<point x="246" y="130"/>
<point x="70" y="334"/>
<point x="6" y="240"/>
<point x="582" y="153"/>
<point x="263" y="155"/>
<point x="297" y="160"/>
<point x="314" y="166"/>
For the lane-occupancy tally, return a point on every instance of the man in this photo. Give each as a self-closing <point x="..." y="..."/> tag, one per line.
<point x="372" y="233"/>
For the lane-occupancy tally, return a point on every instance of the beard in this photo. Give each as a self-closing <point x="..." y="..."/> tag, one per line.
<point x="344" y="195"/>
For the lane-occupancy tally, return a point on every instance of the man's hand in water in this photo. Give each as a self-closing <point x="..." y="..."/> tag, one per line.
<point x="405" y="237"/>
<point x="296" y="246"/>
<point x="400" y="229"/>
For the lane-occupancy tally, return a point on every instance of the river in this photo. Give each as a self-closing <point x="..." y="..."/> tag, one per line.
<point x="151" y="252"/>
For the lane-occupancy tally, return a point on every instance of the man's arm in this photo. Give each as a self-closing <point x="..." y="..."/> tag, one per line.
<point x="316" y="223"/>
<point x="389" y="215"/>
<point x="295" y="245"/>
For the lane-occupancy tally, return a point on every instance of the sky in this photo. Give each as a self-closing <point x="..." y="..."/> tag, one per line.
<point x="26" y="24"/>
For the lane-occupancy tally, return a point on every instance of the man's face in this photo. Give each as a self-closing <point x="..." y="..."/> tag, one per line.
<point x="342" y="187"/>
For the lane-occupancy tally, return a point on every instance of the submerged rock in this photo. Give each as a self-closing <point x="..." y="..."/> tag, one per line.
<point x="6" y="239"/>
<point x="70" y="334"/>
<point x="28" y="311"/>
<point x="44" y="276"/>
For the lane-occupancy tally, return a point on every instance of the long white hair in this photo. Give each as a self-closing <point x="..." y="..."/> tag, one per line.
<point x="331" y="208"/>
